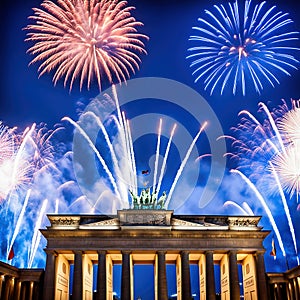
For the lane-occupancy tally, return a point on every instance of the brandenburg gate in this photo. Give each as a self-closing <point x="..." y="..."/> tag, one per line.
<point x="156" y="237"/>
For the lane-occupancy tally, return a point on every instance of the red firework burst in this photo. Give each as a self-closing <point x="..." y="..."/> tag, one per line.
<point x="86" y="39"/>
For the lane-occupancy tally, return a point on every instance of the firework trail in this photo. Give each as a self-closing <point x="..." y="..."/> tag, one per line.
<point x="56" y="206"/>
<point x="116" y="153"/>
<point x="31" y="173"/>
<point x="19" y="222"/>
<point x="267" y="152"/>
<point x="107" y="139"/>
<point x="37" y="235"/>
<point x="93" y="147"/>
<point x="244" y="208"/>
<point x="121" y="158"/>
<point x="157" y="154"/>
<point x="266" y="208"/>
<point x="126" y="140"/>
<point x="22" y="168"/>
<point x="86" y="40"/>
<point x="166" y="155"/>
<point x="132" y="156"/>
<point x="183" y="163"/>
<point x="287" y="211"/>
<point x="242" y="47"/>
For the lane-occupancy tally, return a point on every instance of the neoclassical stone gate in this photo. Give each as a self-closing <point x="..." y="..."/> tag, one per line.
<point x="154" y="237"/>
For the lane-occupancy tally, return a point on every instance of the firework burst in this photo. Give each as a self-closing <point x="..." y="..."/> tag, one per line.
<point x="82" y="39"/>
<point x="289" y="124"/>
<point x="27" y="173"/>
<point x="268" y="155"/>
<point x="287" y="166"/>
<point x="6" y="143"/>
<point x="14" y="168"/>
<point x="287" y="163"/>
<point x="241" y="48"/>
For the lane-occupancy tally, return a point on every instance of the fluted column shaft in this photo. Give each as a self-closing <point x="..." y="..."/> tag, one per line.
<point x="233" y="276"/>
<point x="7" y="287"/>
<point x="162" y="288"/>
<point x="31" y="283"/>
<point x="101" y="276"/>
<point x="185" y="276"/>
<point x="297" y="289"/>
<point x="262" y="291"/>
<point x="49" y="280"/>
<point x="17" y="289"/>
<point x="1" y="283"/>
<point x="125" y="283"/>
<point x="23" y="290"/>
<point x="77" y="276"/>
<point x="210" y="276"/>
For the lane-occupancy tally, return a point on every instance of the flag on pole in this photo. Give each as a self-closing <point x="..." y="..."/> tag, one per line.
<point x="273" y="251"/>
<point x="11" y="254"/>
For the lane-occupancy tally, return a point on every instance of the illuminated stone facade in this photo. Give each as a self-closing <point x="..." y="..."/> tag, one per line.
<point x="155" y="237"/>
<point x="20" y="284"/>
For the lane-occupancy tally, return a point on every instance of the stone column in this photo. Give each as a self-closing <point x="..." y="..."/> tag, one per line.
<point x="36" y="291"/>
<point x="17" y="290"/>
<point x="125" y="283"/>
<point x="262" y="291"/>
<point x="185" y="276"/>
<point x="297" y="289"/>
<point x="77" y="276"/>
<point x="1" y="283"/>
<point x="291" y="289"/>
<point x="30" y="290"/>
<point x="7" y="288"/>
<point x="233" y="276"/>
<point x="101" y="276"/>
<point x="162" y="288"/>
<point x="277" y="291"/>
<point x="24" y="290"/>
<point x="49" y="279"/>
<point x="210" y="276"/>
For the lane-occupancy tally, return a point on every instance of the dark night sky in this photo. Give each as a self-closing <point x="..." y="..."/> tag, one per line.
<point x="25" y="98"/>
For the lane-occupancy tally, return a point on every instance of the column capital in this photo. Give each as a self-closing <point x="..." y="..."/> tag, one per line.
<point x="102" y="252"/>
<point x="160" y="252"/>
<point x="126" y="252"/>
<point x="78" y="252"/>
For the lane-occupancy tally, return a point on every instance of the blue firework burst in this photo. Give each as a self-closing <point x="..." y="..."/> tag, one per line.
<point x="238" y="47"/>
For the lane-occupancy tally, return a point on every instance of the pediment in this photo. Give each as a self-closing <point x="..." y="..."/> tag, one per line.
<point x="184" y="224"/>
<point x="106" y="224"/>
